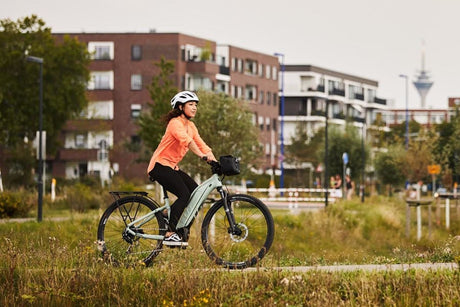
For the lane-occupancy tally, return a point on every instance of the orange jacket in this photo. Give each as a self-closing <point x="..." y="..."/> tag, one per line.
<point x="174" y="143"/>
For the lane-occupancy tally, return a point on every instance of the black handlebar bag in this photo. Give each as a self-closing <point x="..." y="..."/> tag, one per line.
<point x="229" y="165"/>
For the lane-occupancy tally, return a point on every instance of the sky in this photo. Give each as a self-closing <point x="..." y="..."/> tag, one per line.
<point x="374" y="39"/>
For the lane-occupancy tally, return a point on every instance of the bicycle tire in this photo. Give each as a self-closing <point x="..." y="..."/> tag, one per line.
<point x="120" y="248"/>
<point x="238" y="251"/>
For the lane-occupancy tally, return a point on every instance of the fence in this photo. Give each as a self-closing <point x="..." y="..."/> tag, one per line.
<point x="292" y="197"/>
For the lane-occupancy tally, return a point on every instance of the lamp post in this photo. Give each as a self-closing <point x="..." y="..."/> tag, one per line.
<point x="326" y="153"/>
<point x="40" y="131"/>
<point x="282" y="120"/>
<point x="407" y="110"/>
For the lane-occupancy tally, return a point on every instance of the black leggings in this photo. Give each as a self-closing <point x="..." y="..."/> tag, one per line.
<point x="178" y="183"/>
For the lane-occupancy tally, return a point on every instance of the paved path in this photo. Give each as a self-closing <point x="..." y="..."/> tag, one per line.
<point x="365" y="267"/>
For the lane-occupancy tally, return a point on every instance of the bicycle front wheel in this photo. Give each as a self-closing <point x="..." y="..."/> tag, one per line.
<point x="120" y="247"/>
<point x="246" y="245"/>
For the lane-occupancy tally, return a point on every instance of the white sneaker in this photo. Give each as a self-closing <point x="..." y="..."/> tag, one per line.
<point x="174" y="240"/>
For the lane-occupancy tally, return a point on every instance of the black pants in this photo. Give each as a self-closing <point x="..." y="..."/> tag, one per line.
<point x="178" y="183"/>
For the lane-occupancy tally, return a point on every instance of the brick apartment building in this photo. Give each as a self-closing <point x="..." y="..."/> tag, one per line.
<point x="122" y="68"/>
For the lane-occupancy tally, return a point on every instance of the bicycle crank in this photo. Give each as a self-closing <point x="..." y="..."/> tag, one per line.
<point x="129" y="237"/>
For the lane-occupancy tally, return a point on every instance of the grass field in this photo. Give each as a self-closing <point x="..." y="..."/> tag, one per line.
<point x="55" y="263"/>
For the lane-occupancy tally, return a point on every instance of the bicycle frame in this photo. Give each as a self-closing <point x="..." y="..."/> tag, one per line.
<point x="195" y="203"/>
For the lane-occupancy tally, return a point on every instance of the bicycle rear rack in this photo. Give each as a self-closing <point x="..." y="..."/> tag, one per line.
<point x="119" y="194"/>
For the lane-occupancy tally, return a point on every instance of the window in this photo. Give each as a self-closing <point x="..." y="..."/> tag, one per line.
<point x="101" y="80"/>
<point x="269" y="98"/>
<point x="80" y="140"/>
<point x="101" y="50"/>
<point x="136" y="52"/>
<point x="267" y="71"/>
<point x="240" y="65"/>
<point x="100" y="109"/>
<point x="275" y="99"/>
<point x="251" y="92"/>
<point x="274" y="124"/>
<point x="274" y="73"/>
<point x="136" y="82"/>
<point x="135" y="110"/>
<point x="261" y="123"/>
<point x="267" y="123"/>
<point x="250" y="67"/>
<point x="234" y="64"/>
<point x="261" y="97"/>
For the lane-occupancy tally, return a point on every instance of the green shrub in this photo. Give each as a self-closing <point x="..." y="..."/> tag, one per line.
<point x="81" y="198"/>
<point x="15" y="204"/>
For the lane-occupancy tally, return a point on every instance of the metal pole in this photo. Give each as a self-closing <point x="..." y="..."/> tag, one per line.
<point x="282" y="121"/>
<point x="326" y="175"/>
<point x="407" y="111"/>
<point x="40" y="155"/>
<point x="363" y="153"/>
<point x="40" y="131"/>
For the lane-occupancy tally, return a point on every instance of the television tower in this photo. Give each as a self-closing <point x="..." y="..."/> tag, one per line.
<point x="423" y="82"/>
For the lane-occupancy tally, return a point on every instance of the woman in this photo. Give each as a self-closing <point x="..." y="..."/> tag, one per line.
<point x="180" y="136"/>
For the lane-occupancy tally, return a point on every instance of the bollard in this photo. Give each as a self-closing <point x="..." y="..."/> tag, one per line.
<point x="447" y="213"/>
<point x="419" y="222"/>
<point x="53" y="189"/>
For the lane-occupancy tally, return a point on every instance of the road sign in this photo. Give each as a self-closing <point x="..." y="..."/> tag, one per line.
<point x="434" y="169"/>
<point x="345" y="158"/>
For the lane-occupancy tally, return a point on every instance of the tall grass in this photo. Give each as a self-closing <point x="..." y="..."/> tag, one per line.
<point x="56" y="263"/>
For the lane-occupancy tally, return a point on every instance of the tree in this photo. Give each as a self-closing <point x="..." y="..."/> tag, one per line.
<point x="225" y="124"/>
<point x="65" y="77"/>
<point x="398" y="132"/>
<point x="446" y="150"/>
<point x="161" y="89"/>
<point x="339" y="142"/>
<point x="391" y="166"/>
<point x="419" y="156"/>
<point x="302" y="149"/>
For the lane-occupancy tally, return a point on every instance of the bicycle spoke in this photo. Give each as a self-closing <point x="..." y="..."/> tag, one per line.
<point x="122" y="245"/>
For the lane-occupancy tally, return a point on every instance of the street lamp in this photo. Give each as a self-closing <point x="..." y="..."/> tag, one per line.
<point x="407" y="110"/>
<point x="282" y="121"/>
<point x="40" y="131"/>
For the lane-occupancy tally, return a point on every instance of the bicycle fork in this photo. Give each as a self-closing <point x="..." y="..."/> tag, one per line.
<point x="233" y="227"/>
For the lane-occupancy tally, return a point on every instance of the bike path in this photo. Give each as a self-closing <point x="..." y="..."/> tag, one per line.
<point x="364" y="267"/>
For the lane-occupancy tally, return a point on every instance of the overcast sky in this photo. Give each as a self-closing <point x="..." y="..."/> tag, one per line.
<point x="375" y="39"/>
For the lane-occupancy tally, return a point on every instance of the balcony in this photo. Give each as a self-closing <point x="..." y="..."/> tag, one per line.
<point x="71" y="154"/>
<point x="88" y="125"/>
<point x="337" y="92"/>
<point x="380" y="101"/>
<point x="224" y="70"/>
<point x="318" y="113"/>
<point x="319" y="88"/>
<point x="193" y="67"/>
<point x="358" y="96"/>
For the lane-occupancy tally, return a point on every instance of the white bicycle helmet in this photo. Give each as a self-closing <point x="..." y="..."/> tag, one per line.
<point x="183" y="97"/>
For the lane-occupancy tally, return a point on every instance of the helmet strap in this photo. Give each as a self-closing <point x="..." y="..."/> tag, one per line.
<point x="181" y="108"/>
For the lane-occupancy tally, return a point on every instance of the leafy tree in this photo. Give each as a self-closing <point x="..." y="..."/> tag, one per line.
<point x="340" y="141"/>
<point x="419" y="156"/>
<point x="225" y="124"/>
<point x="302" y="149"/>
<point x="65" y="76"/>
<point x="446" y="150"/>
<point x="398" y="132"/>
<point x="161" y="89"/>
<point x="391" y="166"/>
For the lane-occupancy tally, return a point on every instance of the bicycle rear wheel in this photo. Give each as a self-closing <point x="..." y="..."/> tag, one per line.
<point x="120" y="247"/>
<point x="251" y="242"/>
